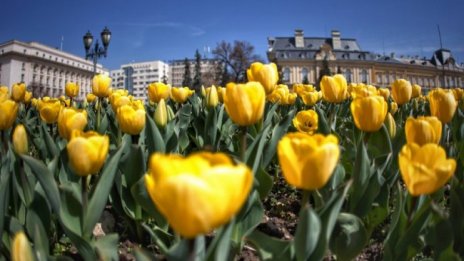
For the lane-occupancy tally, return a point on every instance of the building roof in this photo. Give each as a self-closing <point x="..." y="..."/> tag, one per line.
<point x="313" y="44"/>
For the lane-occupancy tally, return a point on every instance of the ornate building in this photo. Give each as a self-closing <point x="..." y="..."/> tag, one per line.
<point x="306" y="58"/>
<point x="208" y="69"/>
<point x="44" y="69"/>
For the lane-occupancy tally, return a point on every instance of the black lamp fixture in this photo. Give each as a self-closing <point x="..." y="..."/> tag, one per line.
<point x="97" y="51"/>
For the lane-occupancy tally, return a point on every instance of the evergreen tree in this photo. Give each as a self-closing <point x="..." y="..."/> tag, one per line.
<point x="305" y="80"/>
<point x="187" y="82"/>
<point x="197" y="77"/>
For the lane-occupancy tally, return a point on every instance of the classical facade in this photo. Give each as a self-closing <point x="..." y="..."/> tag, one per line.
<point x="307" y="58"/>
<point x="208" y="69"/>
<point x="135" y="77"/>
<point x="44" y="69"/>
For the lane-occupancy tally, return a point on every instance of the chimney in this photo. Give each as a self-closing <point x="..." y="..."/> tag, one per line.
<point x="299" y="38"/>
<point x="392" y="55"/>
<point x="336" y="41"/>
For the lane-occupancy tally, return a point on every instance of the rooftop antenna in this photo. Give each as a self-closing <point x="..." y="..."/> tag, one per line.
<point x="61" y="44"/>
<point x="439" y="36"/>
<point x="443" y="82"/>
<point x="383" y="46"/>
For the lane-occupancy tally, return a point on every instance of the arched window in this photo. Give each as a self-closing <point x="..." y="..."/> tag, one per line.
<point x="286" y="75"/>
<point x="348" y="75"/>
<point x="304" y="75"/>
<point x="364" y="75"/>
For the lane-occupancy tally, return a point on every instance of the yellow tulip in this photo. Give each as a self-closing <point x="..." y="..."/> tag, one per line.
<point x="369" y="112"/>
<point x="425" y="169"/>
<point x="101" y="84"/>
<point x="442" y="104"/>
<point x="87" y="152"/>
<point x="301" y="89"/>
<point x="161" y="114"/>
<point x="212" y="99"/>
<point x="20" y="144"/>
<point x="266" y="74"/>
<point x="8" y="112"/>
<point x="34" y="102"/>
<point x="131" y="117"/>
<point x="282" y="95"/>
<point x="310" y="98"/>
<point x="334" y="89"/>
<point x="245" y="102"/>
<point x="401" y="91"/>
<point x="416" y="91"/>
<point x="221" y="93"/>
<point x="71" y="119"/>
<point x="458" y="94"/>
<point x="306" y="121"/>
<point x="18" y="91"/>
<point x="4" y="93"/>
<point x="181" y="94"/>
<point x="391" y="125"/>
<point x="27" y="97"/>
<point x="21" y="248"/>
<point x="393" y="107"/>
<point x="423" y="130"/>
<point x="307" y="161"/>
<point x="203" y="91"/>
<point x="363" y="90"/>
<point x="384" y="92"/>
<point x="158" y="91"/>
<point x="71" y="89"/>
<point x="49" y="110"/>
<point x="119" y="98"/>
<point x="91" y="97"/>
<point x="198" y="193"/>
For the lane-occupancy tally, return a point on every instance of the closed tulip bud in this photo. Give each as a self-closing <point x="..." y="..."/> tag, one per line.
<point x="442" y="105"/>
<point x="161" y="115"/>
<point x="416" y="91"/>
<point x="27" y="97"/>
<point x="4" y="93"/>
<point x="71" y="89"/>
<point x="20" y="144"/>
<point x="369" y="112"/>
<point x="425" y="169"/>
<point x="87" y="152"/>
<point x="391" y="125"/>
<point x="244" y="103"/>
<point x="401" y="91"/>
<point x="423" y="130"/>
<point x="266" y="74"/>
<point x="384" y="92"/>
<point x="198" y="193"/>
<point x="307" y="161"/>
<point x="221" y="93"/>
<point x="34" y="102"/>
<point x="212" y="99"/>
<point x="131" y="117"/>
<point x="306" y="121"/>
<point x="393" y="107"/>
<point x="363" y="90"/>
<point x="181" y="94"/>
<point x="101" y="85"/>
<point x="18" y="92"/>
<point x="21" y="248"/>
<point x="301" y="89"/>
<point x="91" y="97"/>
<point x="49" y="110"/>
<point x="171" y="114"/>
<point x="8" y="112"/>
<point x="71" y="119"/>
<point x="458" y="94"/>
<point x="334" y="89"/>
<point x="158" y="91"/>
<point x="203" y="91"/>
<point x="119" y="98"/>
<point x="310" y="98"/>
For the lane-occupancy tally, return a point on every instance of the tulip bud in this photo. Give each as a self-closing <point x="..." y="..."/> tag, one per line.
<point x="158" y="91"/>
<point x="71" y="89"/>
<point x="244" y="103"/>
<point x="416" y="91"/>
<point x="131" y="117"/>
<point x="101" y="84"/>
<point x="8" y="112"/>
<point x="212" y="97"/>
<point x="391" y="125"/>
<point x="393" y="107"/>
<point x="87" y="152"/>
<point x="171" y="114"/>
<point x="18" y="92"/>
<point x="161" y="115"/>
<point x="203" y="91"/>
<point x="21" y="249"/>
<point x="369" y="112"/>
<point x="20" y="143"/>
<point x="266" y="74"/>
<point x="334" y="89"/>
<point x="401" y="91"/>
<point x="91" y="97"/>
<point x="27" y="97"/>
<point x="442" y="104"/>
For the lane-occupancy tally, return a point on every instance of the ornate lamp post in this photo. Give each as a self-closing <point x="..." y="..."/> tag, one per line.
<point x="97" y="51"/>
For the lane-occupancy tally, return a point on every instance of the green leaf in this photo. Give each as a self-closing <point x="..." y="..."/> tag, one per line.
<point x="269" y="248"/>
<point x="4" y="193"/>
<point x="248" y="219"/>
<point x="161" y="238"/>
<point x="104" y="123"/>
<point x="323" y="127"/>
<point x="349" y="237"/>
<point x="277" y="133"/>
<point x="46" y="180"/>
<point x="220" y="246"/>
<point x="180" y="251"/>
<point x="99" y="197"/>
<point x="265" y="182"/>
<point x="107" y="247"/>
<point x="39" y="234"/>
<point x="361" y="175"/>
<point x="211" y="127"/>
<point x="140" y="194"/>
<point x="155" y="141"/>
<point x="254" y="153"/>
<point x="142" y="255"/>
<point x="379" y="143"/>
<point x="307" y="233"/>
<point x="52" y="148"/>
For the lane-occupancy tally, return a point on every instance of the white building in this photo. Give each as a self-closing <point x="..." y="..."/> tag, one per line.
<point x="208" y="71"/>
<point x="135" y="77"/>
<point x="44" y="69"/>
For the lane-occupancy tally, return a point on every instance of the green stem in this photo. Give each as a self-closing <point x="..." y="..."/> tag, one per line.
<point x="191" y="246"/>
<point x="243" y="142"/>
<point x="99" y="104"/>
<point x="85" y="197"/>
<point x="5" y="143"/>
<point x="305" y="198"/>
<point x="411" y="209"/>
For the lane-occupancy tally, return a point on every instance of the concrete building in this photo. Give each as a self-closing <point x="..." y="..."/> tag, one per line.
<point x="208" y="70"/>
<point x="44" y="69"/>
<point x="301" y="58"/>
<point x="135" y="77"/>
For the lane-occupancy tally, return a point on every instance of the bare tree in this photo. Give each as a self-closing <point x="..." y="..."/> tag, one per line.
<point x="236" y="57"/>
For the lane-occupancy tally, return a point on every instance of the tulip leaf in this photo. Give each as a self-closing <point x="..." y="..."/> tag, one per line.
<point x="270" y="111"/>
<point x="323" y="127"/>
<point x="379" y="144"/>
<point x="35" y="228"/>
<point x="247" y="220"/>
<point x="140" y="194"/>
<point x="211" y="127"/>
<point x="155" y="142"/>
<point x="107" y="247"/>
<point x="46" y="180"/>
<point x="269" y="248"/>
<point x="255" y="151"/>
<point x="456" y="214"/>
<point x="104" y="123"/>
<point x="277" y="133"/>
<point x="180" y="251"/>
<point x="265" y="182"/>
<point x="52" y="148"/>
<point x="142" y="255"/>
<point x="99" y="197"/>
<point x="220" y="246"/>
<point x="4" y="193"/>
<point x="360" y="175"/>
<point x="160" y="237"/>
<point x="307" y="233"/>
<point x="349" y="237"/>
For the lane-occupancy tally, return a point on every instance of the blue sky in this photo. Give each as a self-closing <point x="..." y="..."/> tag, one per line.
<point x="172" y="29"/>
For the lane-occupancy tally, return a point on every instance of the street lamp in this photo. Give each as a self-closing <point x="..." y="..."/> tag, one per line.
<point x="97" y="51"/>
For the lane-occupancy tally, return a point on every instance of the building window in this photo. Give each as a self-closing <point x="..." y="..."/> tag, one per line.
<point x="348" y="75"/>
<point x="286" y="75"/>
<point x="364" y="76"/>
<point x="22" y="77"/>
